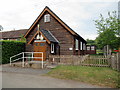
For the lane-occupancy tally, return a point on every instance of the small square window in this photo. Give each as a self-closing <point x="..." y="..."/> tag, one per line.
<point x="36" y="44"/>
<point x="88" y="47"/>
<point x="92" y="48"/>
<point x="42" y="44"/>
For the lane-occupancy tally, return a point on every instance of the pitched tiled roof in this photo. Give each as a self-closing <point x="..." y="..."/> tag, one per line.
<point x="12" y="34"/>
<point x="49" y="35"/>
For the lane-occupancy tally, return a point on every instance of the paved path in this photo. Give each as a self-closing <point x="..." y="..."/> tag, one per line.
<point x="33" y="78"/>
<point x="7" y="68"/>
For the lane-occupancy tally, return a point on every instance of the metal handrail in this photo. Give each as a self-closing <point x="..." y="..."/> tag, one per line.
<point x="17" y="59"/>
<point x="33" y="52"/>
<point x="16" y="55"/>
<point x="23" y="57"/>
<point x="33" y="57"/>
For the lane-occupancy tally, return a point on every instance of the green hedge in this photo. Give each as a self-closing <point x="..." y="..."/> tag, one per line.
<point x="10" y="48"/>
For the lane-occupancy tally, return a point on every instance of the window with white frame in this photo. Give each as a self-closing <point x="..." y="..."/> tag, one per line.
<point x="92" y="47"/>
<point x="47" y="18"/>
<point x="88" y="47"/>
<point x="76" y="44"/>
<point x="81" y="46"/>
<point x="38" y="36"/>
<point x="52" y="48"/>
<point x="84" y="46"/>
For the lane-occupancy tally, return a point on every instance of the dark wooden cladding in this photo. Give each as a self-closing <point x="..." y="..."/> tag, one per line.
<point x="31" y="34"/>
<point x="29" y="48"/>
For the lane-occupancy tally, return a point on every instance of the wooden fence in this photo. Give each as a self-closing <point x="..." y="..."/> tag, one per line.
<point x="115" y="61"/>
<point x="86" y="60"/>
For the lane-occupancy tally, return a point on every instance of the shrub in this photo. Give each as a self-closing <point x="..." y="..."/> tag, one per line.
<point x="10" y="48"/>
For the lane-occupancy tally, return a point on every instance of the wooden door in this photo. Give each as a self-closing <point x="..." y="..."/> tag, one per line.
<point x="40" y="47"/>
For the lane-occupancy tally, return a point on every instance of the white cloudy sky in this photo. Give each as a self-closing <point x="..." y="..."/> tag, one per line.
<point x="78" y="14"/>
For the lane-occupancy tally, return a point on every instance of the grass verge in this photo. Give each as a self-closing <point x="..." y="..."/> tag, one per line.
<point x="101" y="76"/>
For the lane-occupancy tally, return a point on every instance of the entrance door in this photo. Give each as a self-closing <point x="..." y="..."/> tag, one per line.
<point x="40" y="47"/>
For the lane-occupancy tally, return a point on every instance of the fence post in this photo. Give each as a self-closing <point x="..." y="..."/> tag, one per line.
<point x="42" y="60"/>
<point x="23" y="60"/>
<point x="114" y="61"/>
<point x="118" y="59"/>
<point x="109" y="60"/>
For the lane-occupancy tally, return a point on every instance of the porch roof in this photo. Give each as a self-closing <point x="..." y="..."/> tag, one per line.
<point x="49" y="36"/>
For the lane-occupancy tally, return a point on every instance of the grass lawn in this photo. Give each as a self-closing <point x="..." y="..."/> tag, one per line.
<point x="101" y="76"/>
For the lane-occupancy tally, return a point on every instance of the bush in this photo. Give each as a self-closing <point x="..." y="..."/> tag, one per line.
<point x="10" y="48"/>
<point x="100" y="54"/>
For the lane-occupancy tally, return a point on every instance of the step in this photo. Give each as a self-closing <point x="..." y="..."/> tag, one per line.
<point x="51" y="66"/>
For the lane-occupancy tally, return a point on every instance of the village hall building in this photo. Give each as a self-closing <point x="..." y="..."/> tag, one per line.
<point x="50" y="35"/>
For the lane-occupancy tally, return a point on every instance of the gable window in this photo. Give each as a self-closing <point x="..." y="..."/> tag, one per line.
<point x="47" y="18"/>
<point x="38" y="36"/>
<point x="81" y="46"/>
<point x="41" y="37"/>
<point x="76" y="44"/>
<point x="52" y="48"/>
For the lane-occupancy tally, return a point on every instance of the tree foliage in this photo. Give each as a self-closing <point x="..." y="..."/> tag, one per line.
<point x="90" y="42"/>
<point x="1" y="28"/>
<point x="108" y="30"/>
<point x="22" y="38"/>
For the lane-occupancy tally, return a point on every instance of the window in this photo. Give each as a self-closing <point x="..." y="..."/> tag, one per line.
<point x="42" y="44"/>
<point x="41" y="37"/>
<point x="84" y="46"/>
<point x="38" y="36"/>
<point x="76" y="44"/>
<point x="52" y="47"/>
<point x="81" y="46"/>
<point x="92" y="48"/>
<point x="88" y="47"/>
<point x="47" y="18"/>
<point x="36" y="44"/>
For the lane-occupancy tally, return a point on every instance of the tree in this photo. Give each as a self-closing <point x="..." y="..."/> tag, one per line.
<point x="108" y="30"/>
<point x="22" y="38"/>
<point x="90" y="42"/>
<point x="1" y="28"/>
